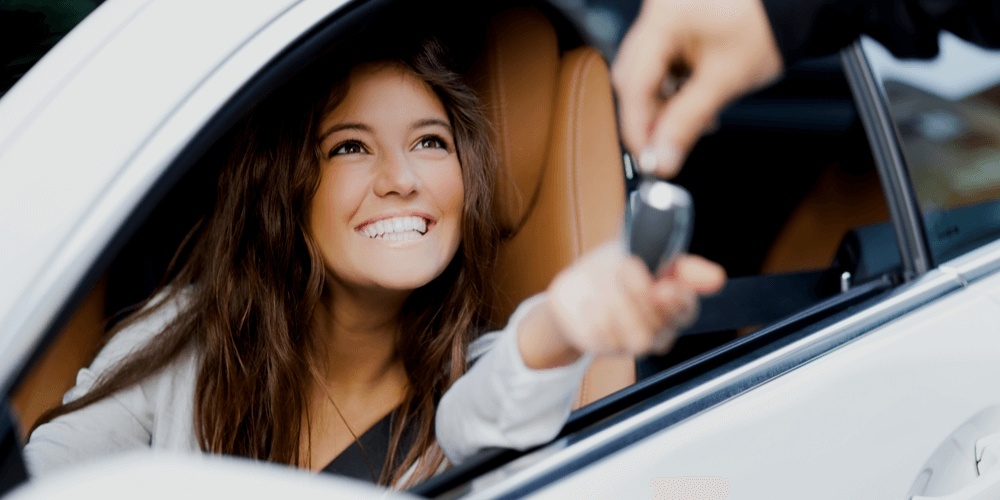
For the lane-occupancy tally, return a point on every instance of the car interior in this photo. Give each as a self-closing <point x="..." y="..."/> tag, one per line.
<point x="786" y="196"/>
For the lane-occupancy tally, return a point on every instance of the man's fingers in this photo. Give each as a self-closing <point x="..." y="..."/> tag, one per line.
<point x="683" y="119"/>
<point x="637" y="76"/>
<point x="728" y="47"/>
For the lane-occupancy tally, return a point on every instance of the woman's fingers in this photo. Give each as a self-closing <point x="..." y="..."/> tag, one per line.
<point x="639" y="319"/>
<point x="608" y="303"/>
<point x="699" y="274"/>
<point x="677" y="307"/>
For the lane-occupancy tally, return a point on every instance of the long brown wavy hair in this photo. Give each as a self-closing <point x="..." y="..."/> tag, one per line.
<point x="254" y="279"/>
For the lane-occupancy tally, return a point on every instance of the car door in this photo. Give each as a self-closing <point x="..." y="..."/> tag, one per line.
<point x="892" y="397"/>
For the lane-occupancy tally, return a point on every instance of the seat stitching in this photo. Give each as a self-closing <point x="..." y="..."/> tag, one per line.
<point x="575" y="126"/>
<point x="500" y="109"/>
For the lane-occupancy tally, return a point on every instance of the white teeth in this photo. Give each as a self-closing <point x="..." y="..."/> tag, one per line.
<point x="396" y="228"/>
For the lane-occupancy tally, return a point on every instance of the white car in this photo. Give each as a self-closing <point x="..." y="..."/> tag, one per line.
<point x="853" y="354"/>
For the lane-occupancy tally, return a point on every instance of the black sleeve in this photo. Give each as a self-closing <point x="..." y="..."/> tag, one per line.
<point x="908" y="28"/>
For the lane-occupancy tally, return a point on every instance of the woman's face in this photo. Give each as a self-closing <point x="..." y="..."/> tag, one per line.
<point x="388" y="211"/>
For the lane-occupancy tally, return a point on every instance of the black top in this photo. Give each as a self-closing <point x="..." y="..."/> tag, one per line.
<point x="908" y="28"/>
<point x="365" y="458"/>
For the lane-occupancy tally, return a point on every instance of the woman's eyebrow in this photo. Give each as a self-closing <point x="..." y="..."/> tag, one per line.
<point x="427" y="122"/>
<point x="344" y="126"/>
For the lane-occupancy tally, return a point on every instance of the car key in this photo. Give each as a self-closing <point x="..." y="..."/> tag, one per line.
<point x="662" y="220"/>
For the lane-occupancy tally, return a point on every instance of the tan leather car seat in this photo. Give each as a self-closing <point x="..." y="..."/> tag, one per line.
<point x="555" y="120"/>
<point x="839" y="201"/>
<point x="54" y="372"/>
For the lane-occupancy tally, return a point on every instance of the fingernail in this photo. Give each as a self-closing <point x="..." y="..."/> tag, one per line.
<point x="647" y="161"/>
<point x="661" y="161"/>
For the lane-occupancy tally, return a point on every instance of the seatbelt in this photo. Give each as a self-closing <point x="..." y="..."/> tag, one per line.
<point x="762" y="299"/>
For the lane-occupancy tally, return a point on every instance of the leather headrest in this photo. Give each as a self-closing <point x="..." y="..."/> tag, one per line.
<point x="517" y="82"/>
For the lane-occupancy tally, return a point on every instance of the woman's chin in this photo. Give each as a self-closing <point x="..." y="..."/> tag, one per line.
<point x="405" y="280"/>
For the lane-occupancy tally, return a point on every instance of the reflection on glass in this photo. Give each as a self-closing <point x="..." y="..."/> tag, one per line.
<point x="947" y="115"/>
<point x="30" y="28"/>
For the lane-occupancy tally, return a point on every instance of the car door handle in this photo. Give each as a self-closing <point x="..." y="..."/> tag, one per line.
<point x="987" y="453"/>
<point x="987" y="485"/>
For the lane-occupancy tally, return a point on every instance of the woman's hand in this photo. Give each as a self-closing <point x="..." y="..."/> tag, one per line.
<point x="608" y="303"/>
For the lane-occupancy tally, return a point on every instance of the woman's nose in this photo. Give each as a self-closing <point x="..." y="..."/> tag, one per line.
<point x="395" y="176"/>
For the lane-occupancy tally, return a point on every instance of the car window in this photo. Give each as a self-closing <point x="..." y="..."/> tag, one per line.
<point x="31" y="28"/>
<point x="947" y="115"/>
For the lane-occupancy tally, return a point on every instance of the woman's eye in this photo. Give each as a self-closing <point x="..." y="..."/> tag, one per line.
<point x="347" y="148"/>
<point x="432" y="142"/>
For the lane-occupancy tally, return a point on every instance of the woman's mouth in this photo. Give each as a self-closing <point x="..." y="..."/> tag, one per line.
<point x="396" y="228"/>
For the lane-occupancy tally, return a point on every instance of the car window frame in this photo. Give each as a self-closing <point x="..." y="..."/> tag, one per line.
<point x="904" y="211"/>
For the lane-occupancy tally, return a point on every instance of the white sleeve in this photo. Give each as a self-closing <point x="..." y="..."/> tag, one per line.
<point x="500" y="402"/>
<point x="121" y="422"/>
<point x="106" y="427"/>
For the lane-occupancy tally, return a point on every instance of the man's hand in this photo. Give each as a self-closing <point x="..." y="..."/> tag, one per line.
<point x="679" y="65"/>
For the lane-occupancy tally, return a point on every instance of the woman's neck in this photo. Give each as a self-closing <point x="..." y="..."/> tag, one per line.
<point x="359" y="328"/>
<point x="362" y="377"/>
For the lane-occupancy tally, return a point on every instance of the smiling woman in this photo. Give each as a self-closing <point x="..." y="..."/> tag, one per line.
<point x="290" y="330"/>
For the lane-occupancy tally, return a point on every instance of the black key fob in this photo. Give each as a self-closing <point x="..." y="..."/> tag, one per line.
<point x="662" y="220"/>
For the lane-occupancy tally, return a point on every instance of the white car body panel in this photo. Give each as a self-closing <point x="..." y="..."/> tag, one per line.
<point x="917" y="379"/>
<point x="34" y="90"/>
<point x="174" y="476"/>
<point x="48" y="245"/>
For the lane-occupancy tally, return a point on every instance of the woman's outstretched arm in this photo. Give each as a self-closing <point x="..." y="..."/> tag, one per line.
<point x="520" y="393"/>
